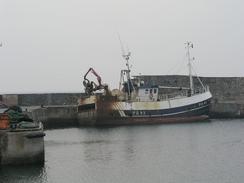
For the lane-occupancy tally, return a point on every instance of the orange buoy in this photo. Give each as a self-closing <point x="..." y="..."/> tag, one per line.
<point x="4" y="121"/>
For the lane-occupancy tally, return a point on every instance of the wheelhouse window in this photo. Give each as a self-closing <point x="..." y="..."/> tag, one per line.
<point x="146" y="91"/>
<point x="155" y="90"/>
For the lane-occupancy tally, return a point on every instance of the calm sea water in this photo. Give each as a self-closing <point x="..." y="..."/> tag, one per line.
<point x="208" y="152"/>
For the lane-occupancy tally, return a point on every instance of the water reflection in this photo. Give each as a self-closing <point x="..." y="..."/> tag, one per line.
<point x="23" y="174"/>
<point x="186" y="153"/>
<point x="98" y="150"/>
<point x="106" y="144"/>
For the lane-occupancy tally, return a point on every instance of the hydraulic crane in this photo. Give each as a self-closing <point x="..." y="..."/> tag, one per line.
<point x="91" y="86"/>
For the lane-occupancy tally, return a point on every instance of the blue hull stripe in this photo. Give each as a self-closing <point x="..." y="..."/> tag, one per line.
<point x="197" y="109"/>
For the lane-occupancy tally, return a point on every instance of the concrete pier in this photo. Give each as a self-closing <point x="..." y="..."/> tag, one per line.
<point x="59" y="109"/>
<point x="21" y="146"/>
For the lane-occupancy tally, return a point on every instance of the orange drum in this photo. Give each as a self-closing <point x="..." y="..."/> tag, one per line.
<point x="4" y="121"/>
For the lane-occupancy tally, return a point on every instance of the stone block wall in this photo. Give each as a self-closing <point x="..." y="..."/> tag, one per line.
<point x="228" y="92"/>
<point x="48" y="99"/>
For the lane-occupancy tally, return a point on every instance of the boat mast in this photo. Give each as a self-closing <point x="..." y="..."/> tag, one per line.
<point x="126" y="56"/>
<point x="188" y="46"/>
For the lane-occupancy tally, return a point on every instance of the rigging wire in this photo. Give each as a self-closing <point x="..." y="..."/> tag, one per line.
<point x="195" y="73"/>
<point x="179" y="68"/>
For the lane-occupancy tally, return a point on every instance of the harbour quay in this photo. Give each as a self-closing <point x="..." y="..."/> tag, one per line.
<point x="22" y="146"/>
<point x="21" y="138"/>
<point x="57" y="110"/>
<point x="227" y="92"/>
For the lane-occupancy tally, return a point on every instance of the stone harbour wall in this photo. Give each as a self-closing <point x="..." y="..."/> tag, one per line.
<point x="228" y="92"/>
<point x="52" y="108"/>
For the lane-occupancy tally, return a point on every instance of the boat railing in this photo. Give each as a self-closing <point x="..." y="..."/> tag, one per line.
<point x="162" y="97"/>
<point x="201" y="90"/>
<point x="184" y="93"/>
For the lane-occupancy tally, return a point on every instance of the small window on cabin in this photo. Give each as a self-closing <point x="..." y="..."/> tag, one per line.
<point x="151" y="90"/>
<point x="146" y="91"/>
<point x="155" y="90"/>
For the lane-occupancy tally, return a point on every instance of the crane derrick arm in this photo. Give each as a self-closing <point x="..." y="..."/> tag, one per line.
<point x="91" y="86"/>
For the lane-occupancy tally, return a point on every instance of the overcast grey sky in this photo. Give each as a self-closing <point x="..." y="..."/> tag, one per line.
<point x="49" y="44"/>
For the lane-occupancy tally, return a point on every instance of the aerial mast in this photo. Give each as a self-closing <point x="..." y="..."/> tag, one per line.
<point x="126" y="56"/>
<point x="188" y="46"/>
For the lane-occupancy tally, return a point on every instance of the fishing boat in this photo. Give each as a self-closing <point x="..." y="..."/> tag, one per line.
<point x="137" y="103"/>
